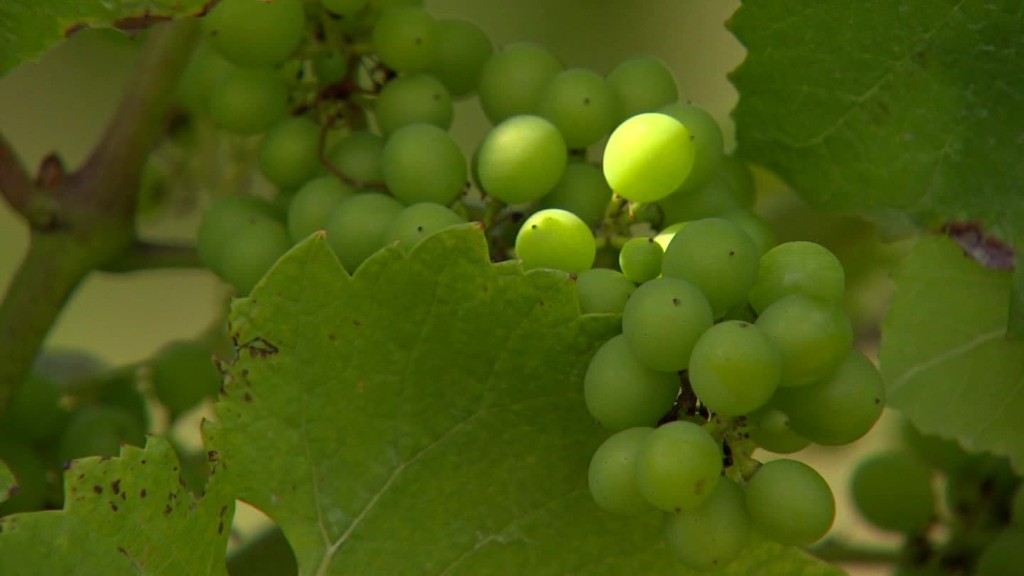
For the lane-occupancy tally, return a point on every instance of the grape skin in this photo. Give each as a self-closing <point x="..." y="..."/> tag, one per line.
<point x="678" y="467"/>
<point x="621" y="393"/>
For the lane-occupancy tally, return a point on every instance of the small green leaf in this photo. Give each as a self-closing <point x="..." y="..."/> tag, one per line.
<point x="128" y="515"/>
<point x="30" y="27"/>
<point x="909" y="112"/>
<point x="8" y="484"/>
<point x="426" y="417"/>
<point x="945" y="357"/>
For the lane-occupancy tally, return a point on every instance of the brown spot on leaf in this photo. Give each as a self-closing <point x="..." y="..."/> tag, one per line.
<point x="113" y="505"/>
<point x="116" y="486"/>
<point x="989" y="251"/>
<point x="97" y="489"/>
<point x="142" y="493"/>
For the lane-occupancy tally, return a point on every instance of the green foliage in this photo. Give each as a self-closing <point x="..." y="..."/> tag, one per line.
<point x="7" y="482"/>
<point x="29" y="27"/>
<point x="945" y="357"/>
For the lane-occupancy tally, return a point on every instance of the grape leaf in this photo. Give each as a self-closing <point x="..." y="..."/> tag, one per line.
<point x="426" y="417"/>
<point x="944" y="355"/>
<point x="909" y="112"/>
<point x="127" y="515"/>
<point x="30" y="27"/>
<point x="7" y="483"/>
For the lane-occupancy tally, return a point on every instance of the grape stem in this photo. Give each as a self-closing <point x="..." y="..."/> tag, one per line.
<point x="836" y="549"/>
<point x="84" y="220"/>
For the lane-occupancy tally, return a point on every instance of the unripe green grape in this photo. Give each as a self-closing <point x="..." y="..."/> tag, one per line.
<point x="248" y="100"/>
<point x="647" y="157"/>
<point x="770" y="430"/>
<point x="678" y="467"/>
<point x="521" y="159"/>
<point x="708" y="142"/>
<point x="640" y="259"/>
<point x="222" y="220"/>
<point x="740" y="180"/>
<point x="790" y="503"/>
<point x="798" y="268"/>
<point x="719" y="194"/>
<point x="603" y="291"/>
<point x="313" y="204"/>
<point x="642" y="84"/>
<point x="411" y="99"/>
<point x="717" y="257"/>
<point x="183" y="375"/>
<point x="555" y="238"/>
<point x="1003" y="556"/>
<point x="358" y="157"/>
<point x="759" y="230"/>
<point x="251" y="252"/>
<point x="405" y="39"/>
<point x="713" y="535"/>
<point x="612" y="473"/>
<point x="98" y="430"/>
<point x="582" y="106"/>
<point x="664" y="238"/>
<point x="29" y="472"/>
<point x="255" y="33"/>
<point x="422" y="163"/>
<point x="344" y="7"/>
<point x="206" y="69"/>
<point x="512" y="80"/>
<point x="813" y="335"/>
<point x="893" y="490"/>
<point x="35" y="410"/>
<point x="290" y="152"/>
<point x="416" y="222"/>
<point x="734" y="368"/>
<point x="582" y="190"/>
<point x="462" y="50"/>
<point x="662" y="321"/>
<point x="840" y="408"/>
<point x="621" y="393"/>
<point x="356" y="228"/>
<point x="330" y="66"/>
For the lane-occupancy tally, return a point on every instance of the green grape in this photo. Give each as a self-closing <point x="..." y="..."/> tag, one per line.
<point x="647" y="157"/>
<point x="411" y="99"/>
<point x="1003" y="556"/>
<point x="790" y="503"/>
<point x="612" y="477"/>
<point x="29" y="473"/>
<point x="708" y="142"/>
<point x="582" y="106"/>
<point x="716" y="256"/>
<point x="678" y="467"/>
<point x="356" y="228"/>
<point x="35" y="410"/>
<point x="717" y="196"/>
<point x="664" y="238"/>
<point x="206" y="69"/>
<point x="734" y="368"/>
<point x="713" y="535"/>
<point x="121" y="390"/>
<point x="555" y="238"/>
<point x="603" y="291"/>
<point x="770" y="430"/>
<point x="640" y="259"/>
<point x="248" y="100"/>
<point x="813" y="335"/>
<point x="642" y="84"/>
<point x="798" y="268"/>
<point x="521" y="159"/>
<point x="462" y="50"/>
<point x="582" y="190"/>
<point x="621" y="393"/>
<point x="422" y="163"/>
<point x="759" y="230"/>
<point x="66" y="368"/>
<point x="893" y="490"/>
<point x="309" y="209"/>
<point x="330" y="66"/>
<point x="98" y="430"/>
<point x="662" y="321"/>
<point x="405" y="39"/>
<point x="840" y="408"/>
<point x="513" y="79"/>
<point x="290" y="152"/>
<point x="344" y="7"/>
<point x="358" y="157"/>
<point x="183" y="375"/>
<point x="416" y="222"/>
<point x="740" y="180"/>
<point x="251" y="251"/>
<point x="255" y="33"/>
<point x="222" y="220"/>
